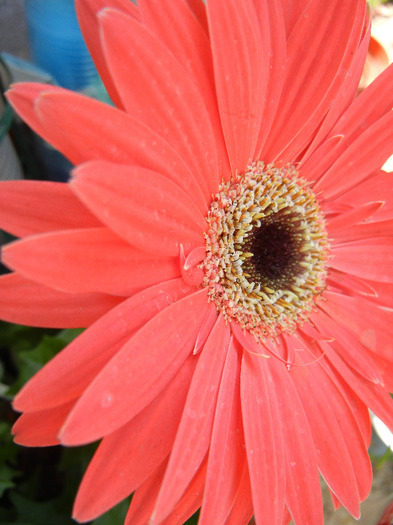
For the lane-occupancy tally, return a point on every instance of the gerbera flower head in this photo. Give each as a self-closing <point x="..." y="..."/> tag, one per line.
<point x="226" y="241"/>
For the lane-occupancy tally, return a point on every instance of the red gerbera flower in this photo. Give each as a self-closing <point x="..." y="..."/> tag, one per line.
<point x="226" y="239"/>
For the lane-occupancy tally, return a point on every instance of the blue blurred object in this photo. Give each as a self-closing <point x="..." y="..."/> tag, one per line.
<point x="56" y="42"/>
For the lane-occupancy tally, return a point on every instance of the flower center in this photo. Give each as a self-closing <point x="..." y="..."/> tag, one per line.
<point x="267" y="249"/>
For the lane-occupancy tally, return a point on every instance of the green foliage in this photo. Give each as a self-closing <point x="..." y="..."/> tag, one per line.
<point x="375" y="3"/>
<point x="38" y="486"/>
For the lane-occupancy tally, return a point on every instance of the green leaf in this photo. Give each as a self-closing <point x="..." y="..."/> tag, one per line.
<point x="31" y="360"/>
<point x="114" y="516"/>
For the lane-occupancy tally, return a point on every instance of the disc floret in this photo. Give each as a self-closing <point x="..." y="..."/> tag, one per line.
<point x="267" y="249"/>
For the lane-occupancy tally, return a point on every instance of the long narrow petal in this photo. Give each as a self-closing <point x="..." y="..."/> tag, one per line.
<point x="87" y="11"/>
<point x="126" y="385"/>
<point x="193" y="437"/>
<point x="199" y="9"/>
<point x="365" y="232"/>
<point x="264" y="441"/>
<point x="341" y="102"/>
<point x="227" y="457"/>
<point x="121" y="138"/>
<point x="371" y="258"/>
<point x="242" y="509"/>
<point x="26" y="302"/>
<point x="380" y="186"/>
<point x="143" y="207"/>
<point x="373" y="396"/>
<point x="312" y="84"/>
<point x="371" y="105"/>
<point x="178" y="25"/>
<point x="128" y="462"/>
<point x="347" y="346"/>
<point x="303" y="492"/>
<point x="190" y="501"/>
<point x="366" y="154"/>
<point x="292" y="10"/>
<point x="28" y="207"/>
<point x="22" y="97"/>
<point x="241" y="68"/>
<point x="272" y="26"/>
<point x="156" y="90"/>
<point x="354" y="216"/>
<point x="333" y="428"/>
<point x="41" y="428"/>
<point x="144" y="498"/>
<point x="69" y="373"/>
<point x="97" y="261"/>
<point x="371" y="323"/>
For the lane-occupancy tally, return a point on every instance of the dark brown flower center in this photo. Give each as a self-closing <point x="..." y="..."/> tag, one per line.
<point x="266" y="250"/>
<point x="276" y="249"/>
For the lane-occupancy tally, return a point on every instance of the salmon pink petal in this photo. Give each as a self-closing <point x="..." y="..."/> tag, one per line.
<point x="312" y="84"/>
<point x="242" y="509"/>
<point x="158" y="220"/>
<point x="40" y="429"/>
<point x="371" y="323"/>
<point x="199" y="10"/>
<point x="190" y="501"/>
<point x="129" y="462"/>
<point x="264" y="440"/>
<point x="122" y="139"/>
<point x="144" y="498"/>
<point x="22" y="96"/>
<point x="302" y="480"/>
<point x="272" y="28"/>
<point x="292" y="10"/>
<point x="371" y="258"/>
<point x="172" y="105"/>
<point x="383" y="293"/>
<point x="380" y="186"/>
<point x="241" y="68"/>
<point x="350" y="285"/>
<point x="142" y="502"/>
<point x="70" y="372"/>
<point x="341" y="102"/>
<point x="26" y="302"/>
<point x="179" y="26"/>
<point x="354" y="216"/>
<point x="365" y="232"/>
<point x="87" y="11"/>
<point x="371" y="105"/>
<point x="97" y="261"/>
<point x="28" y="207"/>
<point x="227" y="457"/>
<point x="154" y="355"/>
<point x="374" y="396"/>
<point x="333" y="429"/>
<point x="193" y="436"/>
<point x="367" y="153"/>
<point x="347" y="346"/>
<point x="176" y="25"/>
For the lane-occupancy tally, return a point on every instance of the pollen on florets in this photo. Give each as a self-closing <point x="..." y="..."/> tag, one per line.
<point x="267" y="248"/>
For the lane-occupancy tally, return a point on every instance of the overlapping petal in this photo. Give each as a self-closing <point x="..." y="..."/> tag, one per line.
<point x="26" y="302"/>
<point x="28" y="207"/>
<point x="115" y="396"/>
<point x="193" y="436"/>
<point x="128" y="463"/>
<point x="264" y="440"/>
<point x="68" y="374"/>
<point x="171" y="104"/>
<point x="158" y="220"/>
<point x="119" y="269"/>
<point x="192" y="408"/>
